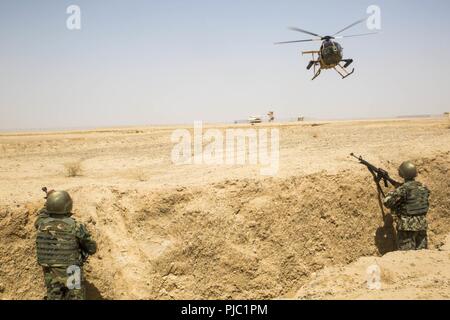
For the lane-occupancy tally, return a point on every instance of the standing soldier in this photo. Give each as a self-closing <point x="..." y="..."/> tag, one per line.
<point x="409" y="204"/>
<point x="62" y="246"/>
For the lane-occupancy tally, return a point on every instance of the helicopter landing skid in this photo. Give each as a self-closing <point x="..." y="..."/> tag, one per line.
<point x="314" y="63"/>
<point x="317" y="74"/>
<point x="344" y="73"/>
<point x="347" y="62"/>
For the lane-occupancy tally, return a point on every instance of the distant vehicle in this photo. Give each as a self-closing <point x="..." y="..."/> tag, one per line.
<point x="330" y="54"/>
<point x="255" y="119"/>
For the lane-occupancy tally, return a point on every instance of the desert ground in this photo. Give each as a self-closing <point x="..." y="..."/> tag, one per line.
<point x="418" y="275"/>
<point x="169" y="231"/>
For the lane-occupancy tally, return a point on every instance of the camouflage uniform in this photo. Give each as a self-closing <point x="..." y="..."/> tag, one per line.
<point x="55" y="280"/>
<point x="62" y="242"/>
<point x="409" y="204"/>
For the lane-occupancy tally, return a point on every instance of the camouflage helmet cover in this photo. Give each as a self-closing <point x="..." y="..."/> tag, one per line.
<point x="407" y="170"/>
<point x="59" y="202"/>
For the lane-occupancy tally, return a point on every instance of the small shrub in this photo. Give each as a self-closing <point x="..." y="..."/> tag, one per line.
<point x="73" y="169"/>
<point x="140" y="175"/>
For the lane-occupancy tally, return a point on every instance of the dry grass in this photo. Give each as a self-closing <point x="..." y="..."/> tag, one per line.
<point x="139" y="174"/>
<point x="73" y="169"/>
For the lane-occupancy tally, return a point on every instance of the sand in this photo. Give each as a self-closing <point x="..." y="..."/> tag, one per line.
<point x="204" y="232"/>
<point x="418" y="275"/>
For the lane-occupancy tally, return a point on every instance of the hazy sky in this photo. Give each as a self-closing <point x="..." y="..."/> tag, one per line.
<point x="176" y="61"/>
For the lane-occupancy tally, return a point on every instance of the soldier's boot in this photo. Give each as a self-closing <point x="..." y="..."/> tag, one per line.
<point x="405" y="240"/>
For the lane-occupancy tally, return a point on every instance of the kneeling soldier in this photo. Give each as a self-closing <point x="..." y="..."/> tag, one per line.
<point x="62" y="246"/>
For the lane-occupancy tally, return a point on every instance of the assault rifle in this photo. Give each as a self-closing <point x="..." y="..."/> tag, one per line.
<point x="388" y="230"/>
<point x="378" y="174"/>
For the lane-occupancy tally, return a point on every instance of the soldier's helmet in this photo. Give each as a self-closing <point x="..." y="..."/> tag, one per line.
<point x="59" y="202"/>
<point x="407" y="170"/>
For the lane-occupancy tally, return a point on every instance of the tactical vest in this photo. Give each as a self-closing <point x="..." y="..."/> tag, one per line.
<point x="416" y="203"/>
<point x="56" y="242"/>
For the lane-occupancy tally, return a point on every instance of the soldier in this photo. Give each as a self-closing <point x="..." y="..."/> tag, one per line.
<point x="62" y="246"/>
<point x="409" y="204"/>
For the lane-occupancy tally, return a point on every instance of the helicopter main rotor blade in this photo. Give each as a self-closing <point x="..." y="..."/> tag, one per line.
<point x="350" y="26"/>
<point x="296" y="41"/>
<point x="355" y="35"/>
<point x="305" y="31"/>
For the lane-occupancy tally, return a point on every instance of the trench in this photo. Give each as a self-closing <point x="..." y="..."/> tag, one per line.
<point x="235" y="239"/>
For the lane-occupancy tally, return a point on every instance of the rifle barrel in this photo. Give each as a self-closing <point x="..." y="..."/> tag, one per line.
<point x="383" y="174"/>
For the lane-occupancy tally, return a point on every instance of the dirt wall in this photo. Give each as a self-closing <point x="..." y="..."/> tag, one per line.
<point x="238" y="239"/>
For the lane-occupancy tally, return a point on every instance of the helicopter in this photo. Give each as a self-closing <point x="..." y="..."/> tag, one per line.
<point x="330" y="54"/>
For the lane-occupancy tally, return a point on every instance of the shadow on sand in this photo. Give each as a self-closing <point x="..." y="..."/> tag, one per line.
<point x="92" y="293"/>
<point x="385" y="236"/>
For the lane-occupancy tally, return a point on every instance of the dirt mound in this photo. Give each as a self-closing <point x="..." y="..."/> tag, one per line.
<point x="240" y="239"/>
<point x="402" y="275"/>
